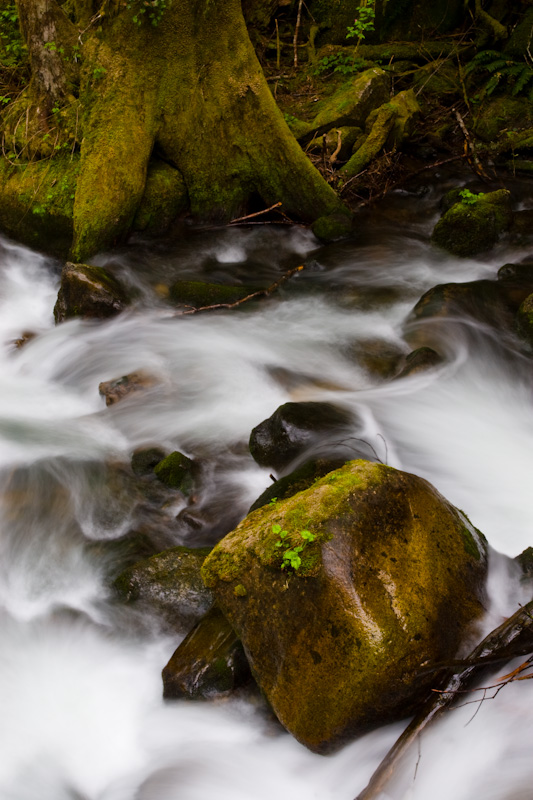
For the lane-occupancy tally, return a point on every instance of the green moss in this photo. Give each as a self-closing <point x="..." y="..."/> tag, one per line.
<point x="175" y="471"/>
<point x="240" y="590"/>
<point x="382" y="127"/>
<point x="165" y="198"/>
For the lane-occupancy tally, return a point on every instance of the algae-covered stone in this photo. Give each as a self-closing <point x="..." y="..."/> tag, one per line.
<point x="473" y="227"/>
<point x="88" y="292"/>
<point x="332" y="227"/>
<point x="391" y="582"/>
<point x="176" y="472"/>
<point x="292" y="428"/>
<point x="501" y="114"/>
<point x="379" y="133"/>
<point x="209" y="663"/>
<point x="296" y="481"/>
<point x="170" y="584"/>
<point x="145" y="459"/>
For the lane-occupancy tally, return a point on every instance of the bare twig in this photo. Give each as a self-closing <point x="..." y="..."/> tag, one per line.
<point x="261" y="293"/>
<point x="333" y="156"/>
<point x="257" y="214"/>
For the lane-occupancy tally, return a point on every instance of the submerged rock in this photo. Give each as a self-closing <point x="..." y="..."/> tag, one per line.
<point x="145" y="459"/>
<point x="118" y="388"/>
<point x="294" y="427"/>
<point x="471" y="227"/>
<point x="420" y="360"/>
<point x="209" y="663"/>
<point x="391" y="582"/>
<point x="88" y="292"/>
<point x="198" y="294"/>
<point x="169" y="583"/>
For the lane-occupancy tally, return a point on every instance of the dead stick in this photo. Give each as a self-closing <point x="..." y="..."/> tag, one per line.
<point x="296" y="30"/>
<point x="257" y="214"/>
<point x="260" y="293"/>
<point x="512" y="638"/>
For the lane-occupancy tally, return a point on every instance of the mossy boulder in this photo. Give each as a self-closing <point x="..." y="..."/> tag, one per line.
<point x="176" y="472"/>
<point x="170" y="585"/>
<point x="503" y="114"/>
<point x="88" y="292"/>
<point x="199" y="294"/>
<point x="468" y="228"/>
<point x="293" y="428"/>
<point x="350" y="105"/>
<point x="209" y="663"/>
<point x="391" y="583"/>
<point x="296" y="481"/>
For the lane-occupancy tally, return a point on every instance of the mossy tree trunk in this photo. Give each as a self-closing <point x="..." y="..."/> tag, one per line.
<point x="188" y="92"/>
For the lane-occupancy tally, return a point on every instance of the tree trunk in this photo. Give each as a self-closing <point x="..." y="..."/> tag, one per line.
<point x="186" y="95"/>
<point x="39" y="27"/>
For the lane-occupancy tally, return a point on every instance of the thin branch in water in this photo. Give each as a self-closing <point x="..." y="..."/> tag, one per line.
<point x="261" y="293"/>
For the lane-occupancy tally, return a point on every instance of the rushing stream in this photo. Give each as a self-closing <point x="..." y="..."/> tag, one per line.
<point x="80" y="687"/>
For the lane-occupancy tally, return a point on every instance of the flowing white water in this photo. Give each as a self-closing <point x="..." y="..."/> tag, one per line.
<point x="80" y="688"/>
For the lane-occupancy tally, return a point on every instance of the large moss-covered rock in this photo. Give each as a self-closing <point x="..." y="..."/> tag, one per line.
<point x="390" y="584"/>
<point x="176" y="472"/>
<point x="89" y="292"/>
<point x="350" y="105"/>
<point x="169" y="583"/>
<point x="294" y="427"/>
<point x="524" y="320"/>
<point x="472" y="227"/>
<point x="209" y="663"/>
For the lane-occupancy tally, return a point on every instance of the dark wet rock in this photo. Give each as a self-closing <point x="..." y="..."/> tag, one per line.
<point x="524" y="320"/>
<point x="119" y="388"/>
<point x="209" y="663"/>
<point x="176" y="471"/>
<point x="420" y="360"/>
<point x="169" y="583"/>
<point x="120" y="554"/>
<point x="297" y="481"/>
<point x="468" y="228"/>
<point x="145" y="459"/>
<point x="491" y="303"/>
<point x="393" y="580"/>
<point x="294" y="427"/>
<point x="88" y="292"/>
<point x="197" y="294"/>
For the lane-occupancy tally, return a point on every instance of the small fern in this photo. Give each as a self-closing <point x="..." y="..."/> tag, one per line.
<point x="504" y="73"/>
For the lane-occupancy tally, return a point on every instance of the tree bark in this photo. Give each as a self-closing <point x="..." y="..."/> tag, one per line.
<point x="39" y="27"/>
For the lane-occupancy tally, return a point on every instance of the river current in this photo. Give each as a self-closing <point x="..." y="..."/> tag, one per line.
<point x="82" y="714"/>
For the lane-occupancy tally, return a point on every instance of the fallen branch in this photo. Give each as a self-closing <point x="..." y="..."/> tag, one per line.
<point x="260" y="293"/>
<point x="512" y="638"/>
<point x="296" y="30"/>
<point x="257" y="214"/>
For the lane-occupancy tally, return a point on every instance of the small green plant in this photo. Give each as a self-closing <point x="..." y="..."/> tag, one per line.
<point x="4" y="99"/>
<point x="153" y="9"/>
<point x="504" y="72"/>
<point x="99" y="72"/>
<point x="343" y="63"/>
<point x="272" y="502"/>
<point x="470" y="198"/>
<point x="291" y="556"/>
<point x="363" y="22"/>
